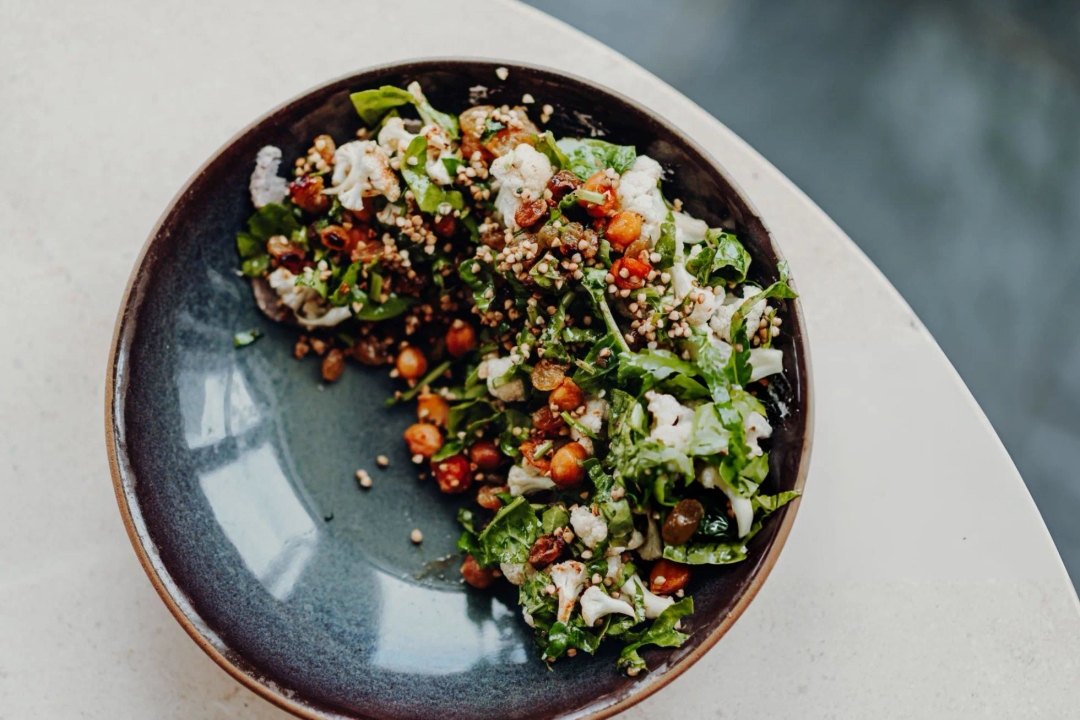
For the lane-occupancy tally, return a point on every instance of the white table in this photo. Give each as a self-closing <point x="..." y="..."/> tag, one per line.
<point x="919" y="580"/>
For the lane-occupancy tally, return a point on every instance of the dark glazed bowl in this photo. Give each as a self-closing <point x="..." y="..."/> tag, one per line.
<point x="234" y="469"/>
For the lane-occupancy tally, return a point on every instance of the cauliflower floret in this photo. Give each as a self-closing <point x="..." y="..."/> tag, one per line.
<point x="361" y="169"/>
<point x="568" y="577"/>
<point x="438" y="147"/>
<point x="682" y="282"/>
<point x="394" y="139"/>
<point x="265" y="186"/>
<point x="765" y="362"/>
<point x="523" y="175"/>
<point x="711" y="299"/>
<point x="689" y="230"/>
<point x="493" y="370"/>
<point x="654" y="604"/>
<point x="721" y="319"/>
<point x="388" y="215"/>
<point x="527" y="479"/>
<point x="595" y="604"/>
<point x="596" y="412"/>
<point x="517" y="573"/>
<point x="673" y="422"/>
<point x="639" y="191"/>
<point x="743" y="508"/>
<point x="309" y="308"/>
<point x="590" y="528"/>
<point x="757" y="428"/>
<point x="653" y="547"/>
<point x="614" y="562"/>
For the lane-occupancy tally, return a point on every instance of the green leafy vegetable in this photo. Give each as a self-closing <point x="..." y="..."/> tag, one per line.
<point x="662" y="633"/>
<point x="255" y="266"/>
<point x="372" y="105"/>
<point x="510" y="534"/>
<point x="429" y="194"/>
<point x="561" y="637"/>
<point x="587" y="156"/>
<point x="546" y="144"/>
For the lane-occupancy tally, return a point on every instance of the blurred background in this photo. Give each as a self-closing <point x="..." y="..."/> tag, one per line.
<point x="944" y="138"/>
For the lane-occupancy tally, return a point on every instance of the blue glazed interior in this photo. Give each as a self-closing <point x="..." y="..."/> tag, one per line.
<point x="242" y="462"/>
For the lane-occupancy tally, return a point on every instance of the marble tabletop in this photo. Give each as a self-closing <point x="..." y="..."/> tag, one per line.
<point x="919" y="579"/>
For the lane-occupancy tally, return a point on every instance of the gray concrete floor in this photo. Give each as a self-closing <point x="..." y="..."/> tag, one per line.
<point x="944" y="138"/>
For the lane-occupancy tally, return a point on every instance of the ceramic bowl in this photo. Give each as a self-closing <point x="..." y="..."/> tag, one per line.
<point x="234" y="469"/>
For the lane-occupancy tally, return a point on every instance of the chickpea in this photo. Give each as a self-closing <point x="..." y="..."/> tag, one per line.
<point x="567" y="395"/>
<point x="485" y="455"/>
<point x="411" y="363"/>
<point x="566" y="468"/>
<point x="475" y="575"/>
<point x="667" y="577"/>
<point x="333" y="365"/>
<point x="624" y="228"/>
<point x="487" y="496"/>
<point x="460" y="338"/>
<point x="452" y="474"/>
<point x="600" y="183"/>
<point x="630" y="273"/>
<point x="424" y="439"/>
<point x="432" y="408"/>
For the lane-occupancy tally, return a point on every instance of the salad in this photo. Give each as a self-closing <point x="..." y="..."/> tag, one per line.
<point x="587" y="360"/>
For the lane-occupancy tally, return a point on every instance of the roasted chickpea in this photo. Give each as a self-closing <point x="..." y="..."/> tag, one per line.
<point x="333" y="365"/>
<point x="528" y="451"/>
<point x="682" y="522"/>
<point x="411" y="363"/>
<point x="668" y="577"/>
<point x="475" y="575"/>
<point x="432" y="408"/>
<point x="567" y="395"/>
<point x="424" y="439"/>
<point x="487" y="496"/>
<point x="547" y="420"/>
<point x="485" y="455"/>
<point x="452" y="474"/>
<point x="600" y="183"/>
<point x="460" y="338"/>
<point x="546" y="550"/>
<point x="630" y="273"/>
<point x="566" y="468"/>
<point x="624" y="228"/>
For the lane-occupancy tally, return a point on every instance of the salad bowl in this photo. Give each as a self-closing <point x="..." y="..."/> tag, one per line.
<point x="234" y="468"/>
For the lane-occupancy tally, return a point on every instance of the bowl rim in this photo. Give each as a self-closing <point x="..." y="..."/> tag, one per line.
<point x="123" y="481"/>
